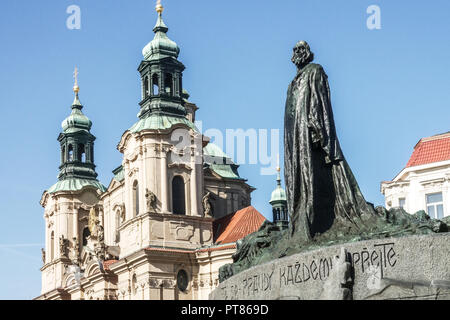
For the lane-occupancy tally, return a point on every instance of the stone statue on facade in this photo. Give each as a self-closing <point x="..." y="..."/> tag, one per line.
<point x="76" y="250"/>
<point x="207" y="207"/>
<point x="151" y="201"/>
<point x="43" y="255"/>
<point x="93" y="222"/>
<point x="63" y="246"/>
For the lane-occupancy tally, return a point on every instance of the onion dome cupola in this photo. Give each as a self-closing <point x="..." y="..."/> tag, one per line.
<point x="161" y="74"/>
<point x="77" y="168"/>
<point x="278" y="200"/>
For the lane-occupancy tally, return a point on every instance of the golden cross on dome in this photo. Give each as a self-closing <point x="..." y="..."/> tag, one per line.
<point x="76" y="88"/>
<point x="159" y="7"/>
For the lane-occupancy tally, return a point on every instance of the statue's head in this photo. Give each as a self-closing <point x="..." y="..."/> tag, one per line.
<point x="302" y="54"/>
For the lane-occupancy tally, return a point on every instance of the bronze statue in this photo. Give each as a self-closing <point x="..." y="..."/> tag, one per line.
<point x="320" y="185"/>
<point x="325" y="204"/>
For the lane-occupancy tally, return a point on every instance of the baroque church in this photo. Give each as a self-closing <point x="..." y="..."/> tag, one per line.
<point x="172" y="213"/>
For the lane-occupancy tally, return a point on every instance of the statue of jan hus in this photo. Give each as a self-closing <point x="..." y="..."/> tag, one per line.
<point x="320" y="185"/>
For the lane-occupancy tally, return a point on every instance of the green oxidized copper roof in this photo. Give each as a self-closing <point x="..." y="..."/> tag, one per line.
<point x="278" y="195"/>
<point x="224" y="170"/>
<point x="213" y="150"/>
<point x="76" y="121"/>
<point x="219" y="162"/>
<point x="76" y="184"/>
<point x="119" y="174"/>
<point x="159" y="121"/>
<point x="161" y="46"/>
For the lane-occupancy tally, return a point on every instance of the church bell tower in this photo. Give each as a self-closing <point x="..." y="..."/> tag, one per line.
<point x="161" y="74"/>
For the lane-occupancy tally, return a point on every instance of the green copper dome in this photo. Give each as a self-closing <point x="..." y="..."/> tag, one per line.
<point x="160" y="121"/>
<point x="76" y="121"/>
<point x="76" y="184"/>
<point x="278" y="195"/>
<point x="161" y="46"/>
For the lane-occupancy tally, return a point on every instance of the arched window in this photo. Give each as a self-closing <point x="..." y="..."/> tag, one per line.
<point x="135" y="198"/>
<point x="63" y="155"/>
<point x="134" y="284"/>
<point x="155" y="84"/>
<point x="178" y="196"/>
<point x="52" y="246"/>
<point x="70" y="158"/>
<point x="81" y="153"/>
<point x="168" y="84"/>
<point x="146" y="87"/>
<point x="117" y="233"/>
<point x="86" y="234"/>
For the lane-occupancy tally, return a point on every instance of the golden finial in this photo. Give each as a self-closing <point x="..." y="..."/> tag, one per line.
<point x="76" y="88"/>
<point x="159" y="7"/>
<point x="278" y="163"/>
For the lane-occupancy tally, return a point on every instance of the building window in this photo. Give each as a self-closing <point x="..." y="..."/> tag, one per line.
<point x="178" y="196"/>
<point x="182" y="280"/>
<point x="70" y="152"/>
<point x="135" y="198"/>
<point x="81" y="153"/>
<point x="401" y="203"/>
<point x="86" y="234"/>
<point x="134" y="284"/>
<point x="155" y="84"/>
<point x="435" y="205"/>
<point x="168" y="84"/>
<point x="117" y="233"/>
<point x="146" y="87"/>
<point x="52" y="246"/>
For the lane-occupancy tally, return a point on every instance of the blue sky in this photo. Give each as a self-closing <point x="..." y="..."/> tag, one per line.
<point x="389" y="88"/>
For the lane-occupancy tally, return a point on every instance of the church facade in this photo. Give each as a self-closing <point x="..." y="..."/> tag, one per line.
<point x="149" y="234"/>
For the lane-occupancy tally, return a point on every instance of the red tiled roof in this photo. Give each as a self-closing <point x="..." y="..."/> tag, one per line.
<point x="237" y="225"/>
<point x="431" y="149"/>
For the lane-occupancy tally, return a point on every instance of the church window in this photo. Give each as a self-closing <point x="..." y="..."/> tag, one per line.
<point x="146" y="88"/>
<point x="63" y="154"/>
<point x="168" y="84"/>
<point x="134" y="284"/>
<point x="86" y="234"/>
<point x="178" y="196"/>
<point x="52" y="246"/>
<point x="135" y="198"/>
<point x="182" y="280"/>
<point x="81" y="153"/>
<point x="117" y="234"/>
<point x="70" y="152"/>
<point x="155" y="84"/>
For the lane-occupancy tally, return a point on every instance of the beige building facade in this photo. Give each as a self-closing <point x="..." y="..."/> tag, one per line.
<point x="424" y="184"/>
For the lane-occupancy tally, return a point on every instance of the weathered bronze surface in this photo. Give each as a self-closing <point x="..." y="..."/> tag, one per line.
<point x="325" y="204"/>
<point x="320" y="185"/>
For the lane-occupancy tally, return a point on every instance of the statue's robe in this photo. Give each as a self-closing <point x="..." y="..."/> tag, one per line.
<point x="320" y="185"/>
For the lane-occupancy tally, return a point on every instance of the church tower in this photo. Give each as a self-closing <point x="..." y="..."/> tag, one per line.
<point x="68" y="202"/>
<point x="161" y="74"/>
<point x="278" y="201"/>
